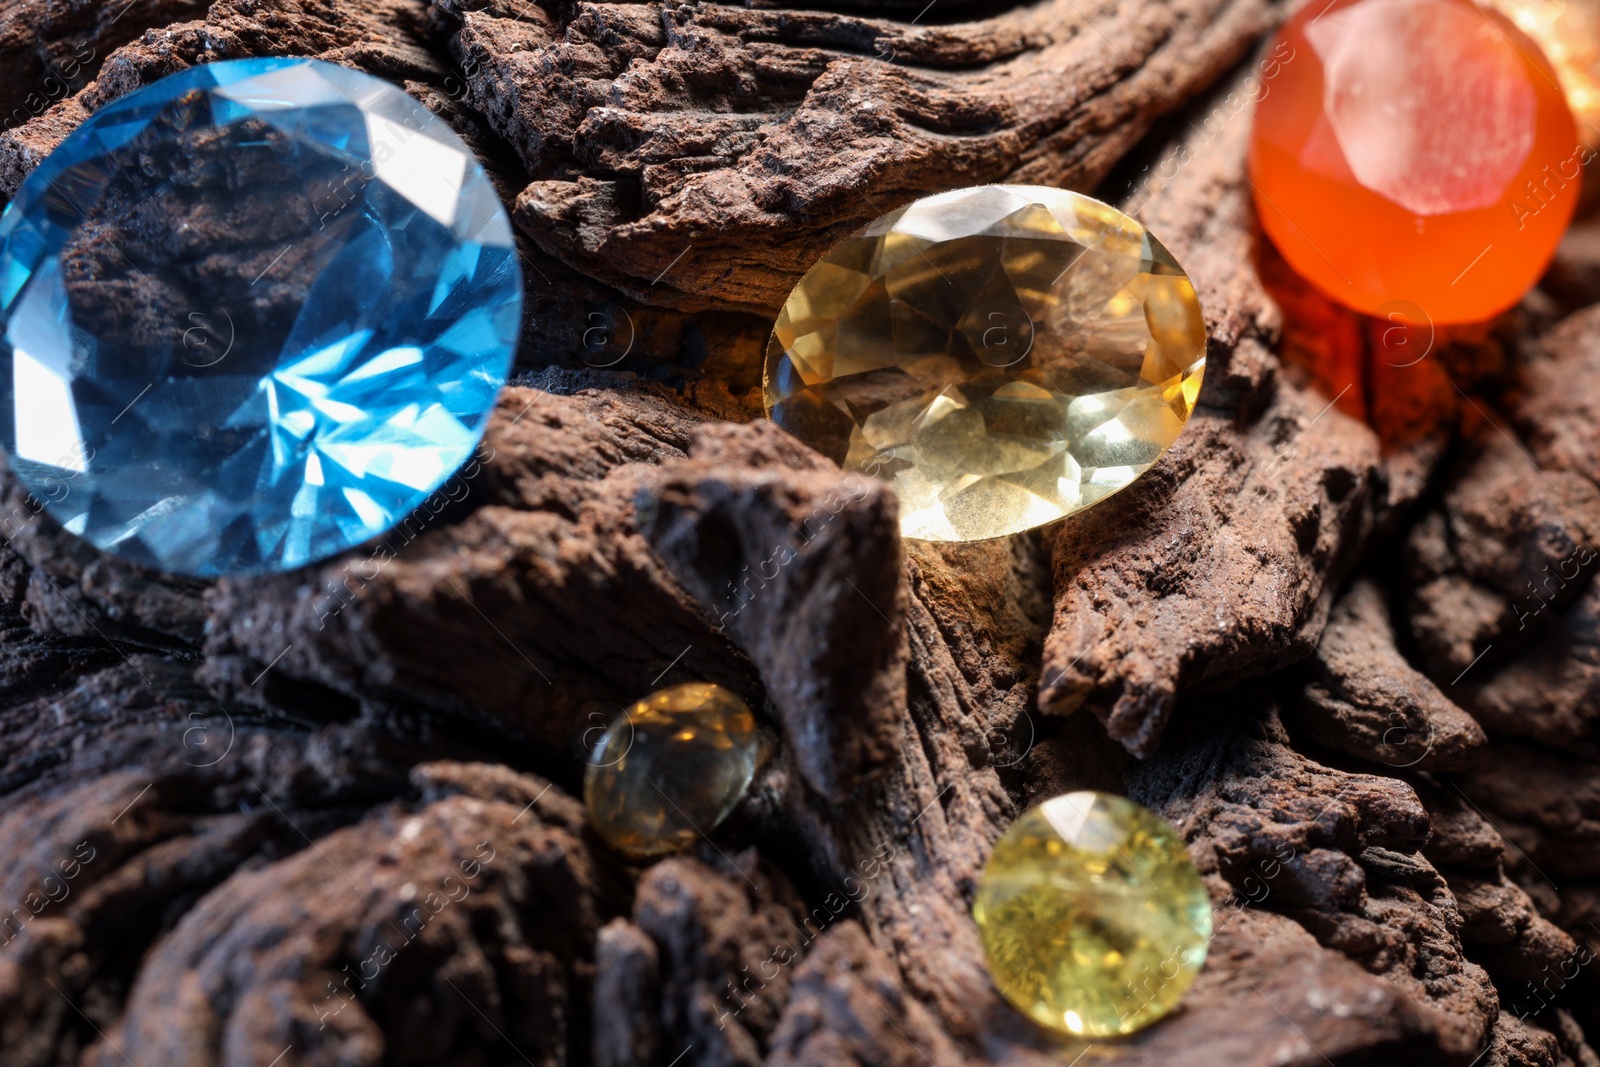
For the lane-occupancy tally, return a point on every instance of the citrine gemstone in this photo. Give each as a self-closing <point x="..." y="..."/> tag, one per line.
<point x="1569" y="33"/>
<point x="670" y="768"/>
<point x="1003" y="356"/>
<point x="1092" y="915"/>
<point x="1416" y="151"/>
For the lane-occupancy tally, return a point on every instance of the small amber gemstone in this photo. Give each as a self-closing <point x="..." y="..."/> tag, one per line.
<point x="670" y="768"/>
<point x="1092" y="915"/>
<point x="1569" y="33"/>
<point x="1414" y="150"/>
<point x="1003" y="356"/>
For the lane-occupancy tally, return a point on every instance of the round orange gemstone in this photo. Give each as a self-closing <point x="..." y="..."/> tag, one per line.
<point x="1416" y="151"/>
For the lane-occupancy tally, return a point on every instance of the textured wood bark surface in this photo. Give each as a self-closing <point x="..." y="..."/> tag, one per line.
<point x="1345" y="636"/>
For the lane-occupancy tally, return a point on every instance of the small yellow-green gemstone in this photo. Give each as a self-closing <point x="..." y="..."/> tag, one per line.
<point x="1092" y="915"/>
<point x="670" y="768"/>
<point x="1002" y="356"/>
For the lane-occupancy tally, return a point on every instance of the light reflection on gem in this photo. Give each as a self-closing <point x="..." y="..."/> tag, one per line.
<point x="1003" y="356"/>
<point x="1093" y="917"/>
<point x="671" y="768"/>
<point x="364" y="269"/>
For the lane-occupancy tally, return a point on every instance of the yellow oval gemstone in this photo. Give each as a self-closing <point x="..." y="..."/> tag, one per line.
<point x="670" y="768"/>
<point x="1003" y="356"/>
<point x="1092" y="915"/>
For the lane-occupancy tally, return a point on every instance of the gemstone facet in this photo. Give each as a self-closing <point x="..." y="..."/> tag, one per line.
<point x="1414" y="150"/>
<point x="1092" y="915"/>
<point x="251" y="315"/>
<point x="1569" y="33"/>
<point x="1003" y="356"/>
<point x="670" y="768"/>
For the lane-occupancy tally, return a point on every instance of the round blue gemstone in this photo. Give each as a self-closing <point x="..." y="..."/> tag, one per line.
<point x="251" y="316"/>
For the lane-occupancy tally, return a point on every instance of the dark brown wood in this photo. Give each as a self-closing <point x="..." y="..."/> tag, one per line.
<point x="1344" y="636"/>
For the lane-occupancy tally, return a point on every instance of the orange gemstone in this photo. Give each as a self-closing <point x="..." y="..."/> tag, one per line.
<point x="1569" y="33"/>
<point x="1415" y="151"/>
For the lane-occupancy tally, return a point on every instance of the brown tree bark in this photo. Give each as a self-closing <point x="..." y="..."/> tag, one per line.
<point x="1320" y="637"/>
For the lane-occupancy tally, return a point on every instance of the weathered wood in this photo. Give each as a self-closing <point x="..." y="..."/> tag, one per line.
<point x="1343" y="636"/>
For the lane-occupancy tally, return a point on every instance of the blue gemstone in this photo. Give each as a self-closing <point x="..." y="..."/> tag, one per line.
<point x="253" y="315"/>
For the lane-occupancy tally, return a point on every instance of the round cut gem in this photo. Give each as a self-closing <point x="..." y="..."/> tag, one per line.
<point x="253" y="315"/>
<point x="1416" y="151"/>
<point x="1003" y="356"/>
<point x="670" y="769"/>
<point x="1092" y="915"/>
